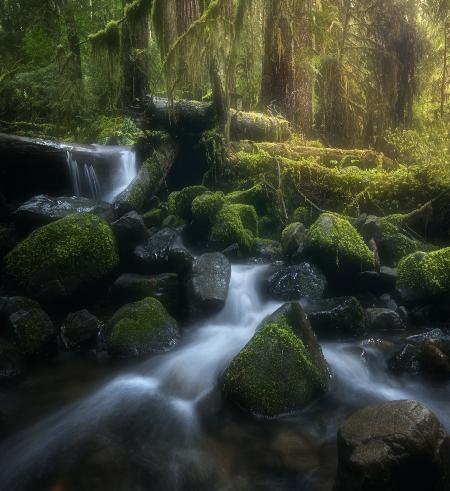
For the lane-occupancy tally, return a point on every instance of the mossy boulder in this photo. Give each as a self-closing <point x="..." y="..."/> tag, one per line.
<point x="55" y="261"/>
<point x="424" y="275"/>
<point x="33" y="331"/>
<point x="154" y="218"/>
<point x="141" y="328"/>
<point x="255" y="196"/>
<point x="281" y="369"/>
<point x="235" y="224"/>
<point x="336" y="246"/>
<point x="180" y="202"/>
<point x="305" y="215"/>
<point x="206" y="206"/>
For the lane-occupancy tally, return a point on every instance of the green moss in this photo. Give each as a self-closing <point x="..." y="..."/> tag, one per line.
<point x="109" y="130"/>
<point x="154" y="218"/>
<point x="140" y="328"/>
<point x="305" y="215"/>
<point x="173" y="221"/>
<point x="255" y="196"/>
<point x="337" y="246"/>
<point x="236" y="224"/>
<point x="206" y="206"/>
<point x="275" y="372"/>
<point x="72" y="251"/>
<point x="292" y="238"/>
<point x="423" y="275"/>
<point x="180" y="202"/>
<point x="109" y="36"/>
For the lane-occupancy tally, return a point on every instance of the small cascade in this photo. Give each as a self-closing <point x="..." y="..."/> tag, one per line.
<point x="91" y="179"/>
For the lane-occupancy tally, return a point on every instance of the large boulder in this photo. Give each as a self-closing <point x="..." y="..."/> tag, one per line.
<point x="281" y="369"/>
<point x="33" y="331"/>
<point x="295" y="282"/>
<point x="130" y="231"/>
<point x="163" y="252"/>
<point x="338" y="317"/>
<point x="57" y="260"/>
<point x="208" y="284"/>
<point x="335" y="245"/>
<point x="133" y="287"/>
<point x="141" y="328"/>
<point x="393" y="446"/>
<point x="424" y="275"/>
<point x="382" y="319"/>
<point x="42" y="209"/>
<point x="180" y="202"/>
<point x="80" y="330"/>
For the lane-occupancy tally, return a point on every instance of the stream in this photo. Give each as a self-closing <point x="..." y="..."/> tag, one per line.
<point x="160" y="423"/>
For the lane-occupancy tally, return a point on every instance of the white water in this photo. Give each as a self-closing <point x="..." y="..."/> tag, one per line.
<point x="164" y="393"/>
<point x="84" y="178"/>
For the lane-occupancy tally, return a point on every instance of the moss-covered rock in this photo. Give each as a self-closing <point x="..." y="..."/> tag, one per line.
<point x="155" y="217"/>
<point x="293" y="239"/>
<point x="55" y="261"/>
<point x="32" y="330"/>
<point x="281" y="369"/>
<point x="335" y="245"/>
<point x="180" y="202"/>
<point x="255" y="196"/>
<point x="424" y="275"/>
<point x="305" y="215"/>
<point x="206" y="206"/>
<point x="141" y="328"/>
<point x="235" y="224"/>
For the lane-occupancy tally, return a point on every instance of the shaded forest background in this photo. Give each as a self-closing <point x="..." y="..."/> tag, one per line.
<point x="367" y="73"/>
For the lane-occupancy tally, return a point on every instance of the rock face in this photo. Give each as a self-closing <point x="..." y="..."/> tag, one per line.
<point x="393" y="446"/>
<point x="380" y="319"/>
<point x="141" y="328"/>
<point x="55" y="261"/>
<point x="336" y="317"/>
<point x="208" y="284"/>
<point x="133" y="287"/>
<point x="295" y="282"/>
<point x="32" y="330"/>
<point x="281" y="369"/>
<point x="163" y="253"/>
<point x="80" y="330"/>
<point x="424" y="275"/>
<point x="41" y="210"/>
<point x="336" y="246"/>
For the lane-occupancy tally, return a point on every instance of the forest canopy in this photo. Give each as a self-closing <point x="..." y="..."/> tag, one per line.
<point x="351" y="74"/>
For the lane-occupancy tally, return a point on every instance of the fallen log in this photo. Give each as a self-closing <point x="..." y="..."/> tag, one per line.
<point x="330" y="157"/>
<point x="156" y="113"/>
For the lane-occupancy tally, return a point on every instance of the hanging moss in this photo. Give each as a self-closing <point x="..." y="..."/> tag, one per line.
<point x="136" y="14"/>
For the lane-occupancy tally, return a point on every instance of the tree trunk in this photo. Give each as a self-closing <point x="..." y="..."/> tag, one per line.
<point x="73" y="40"/>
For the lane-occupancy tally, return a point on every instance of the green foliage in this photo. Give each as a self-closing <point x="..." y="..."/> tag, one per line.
<point x="119" y="130"/>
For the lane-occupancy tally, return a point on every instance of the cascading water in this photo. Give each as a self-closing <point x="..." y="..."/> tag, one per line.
<point x="163" y="428"/>
<point x="84" y="175"/>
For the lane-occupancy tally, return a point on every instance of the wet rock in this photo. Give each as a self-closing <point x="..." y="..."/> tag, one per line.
<point x="133" y="287"/>
<point x="129" y="231"/>
<point x="12" y="364"/>
<point x="163" y="253"/>
<point x="41" y="210"/>
<point x="11" y="305"/>
<point x="266" y="250"/>
<point x="295" y="282"/>
<point x="405" y="360"/>
<point x="379" y="319"/>
<point x="62" y="258"/>
<point x="393" y="446"/>
<point x="336" y="317"/>
<point x="387" y="302"/>
<point x="293" y="240"/>
<point x="80" y="330"/>
<point x="281" y="369"/>
<point x="433" y="361"/>
<point x="33" y="331"/>
<point x="208" y="284"/>
<point x="336" y="246"/>
<point x="141" y="328"/>
<point x="402" y="311"/>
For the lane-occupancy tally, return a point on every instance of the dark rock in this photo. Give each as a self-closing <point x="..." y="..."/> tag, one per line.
<point x="380" y="319"/>
<point x="12" y="364"/>
<point x="402" y="311"/>
<point x="11" y="305"/>
<point x="80" y="330"/>
<point x="389" y="275"/>
<point x="33" y="331"/>
<point x="133" y="287"/>
<point x="41" y="210"/>
<point x="405" y="360"/>
<point x="371" y="281"/>
<point x="130" y="231"/>
<point x="433" y="362"/>
<point x="293" y="240"/>
<point x="281" y="369"/>
<point x="163" y="253"/>
<point x="295" y="282"/>
<point x="7" y="241"/>
<point x="266" y="250"/>
<point x="141" y="328"/>
<point x="393" y="446"/>
<point x="208" y="284"/>
<point x="387" y="302"/>
<point x="336" y="317"/>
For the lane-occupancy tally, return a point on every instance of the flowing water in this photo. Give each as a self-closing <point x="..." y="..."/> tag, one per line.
<point x="84" y="167"/>
<point x="160" y="424"/>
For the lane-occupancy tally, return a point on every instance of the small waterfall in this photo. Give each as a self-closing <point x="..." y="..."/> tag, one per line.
<point x="89" y="182"/>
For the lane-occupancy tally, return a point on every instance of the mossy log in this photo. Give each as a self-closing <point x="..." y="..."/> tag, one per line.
<point x="156" y="113"/>
<point x="330" y="157"/>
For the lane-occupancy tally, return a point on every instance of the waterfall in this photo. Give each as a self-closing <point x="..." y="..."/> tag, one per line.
<point x="88" y="181"/>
